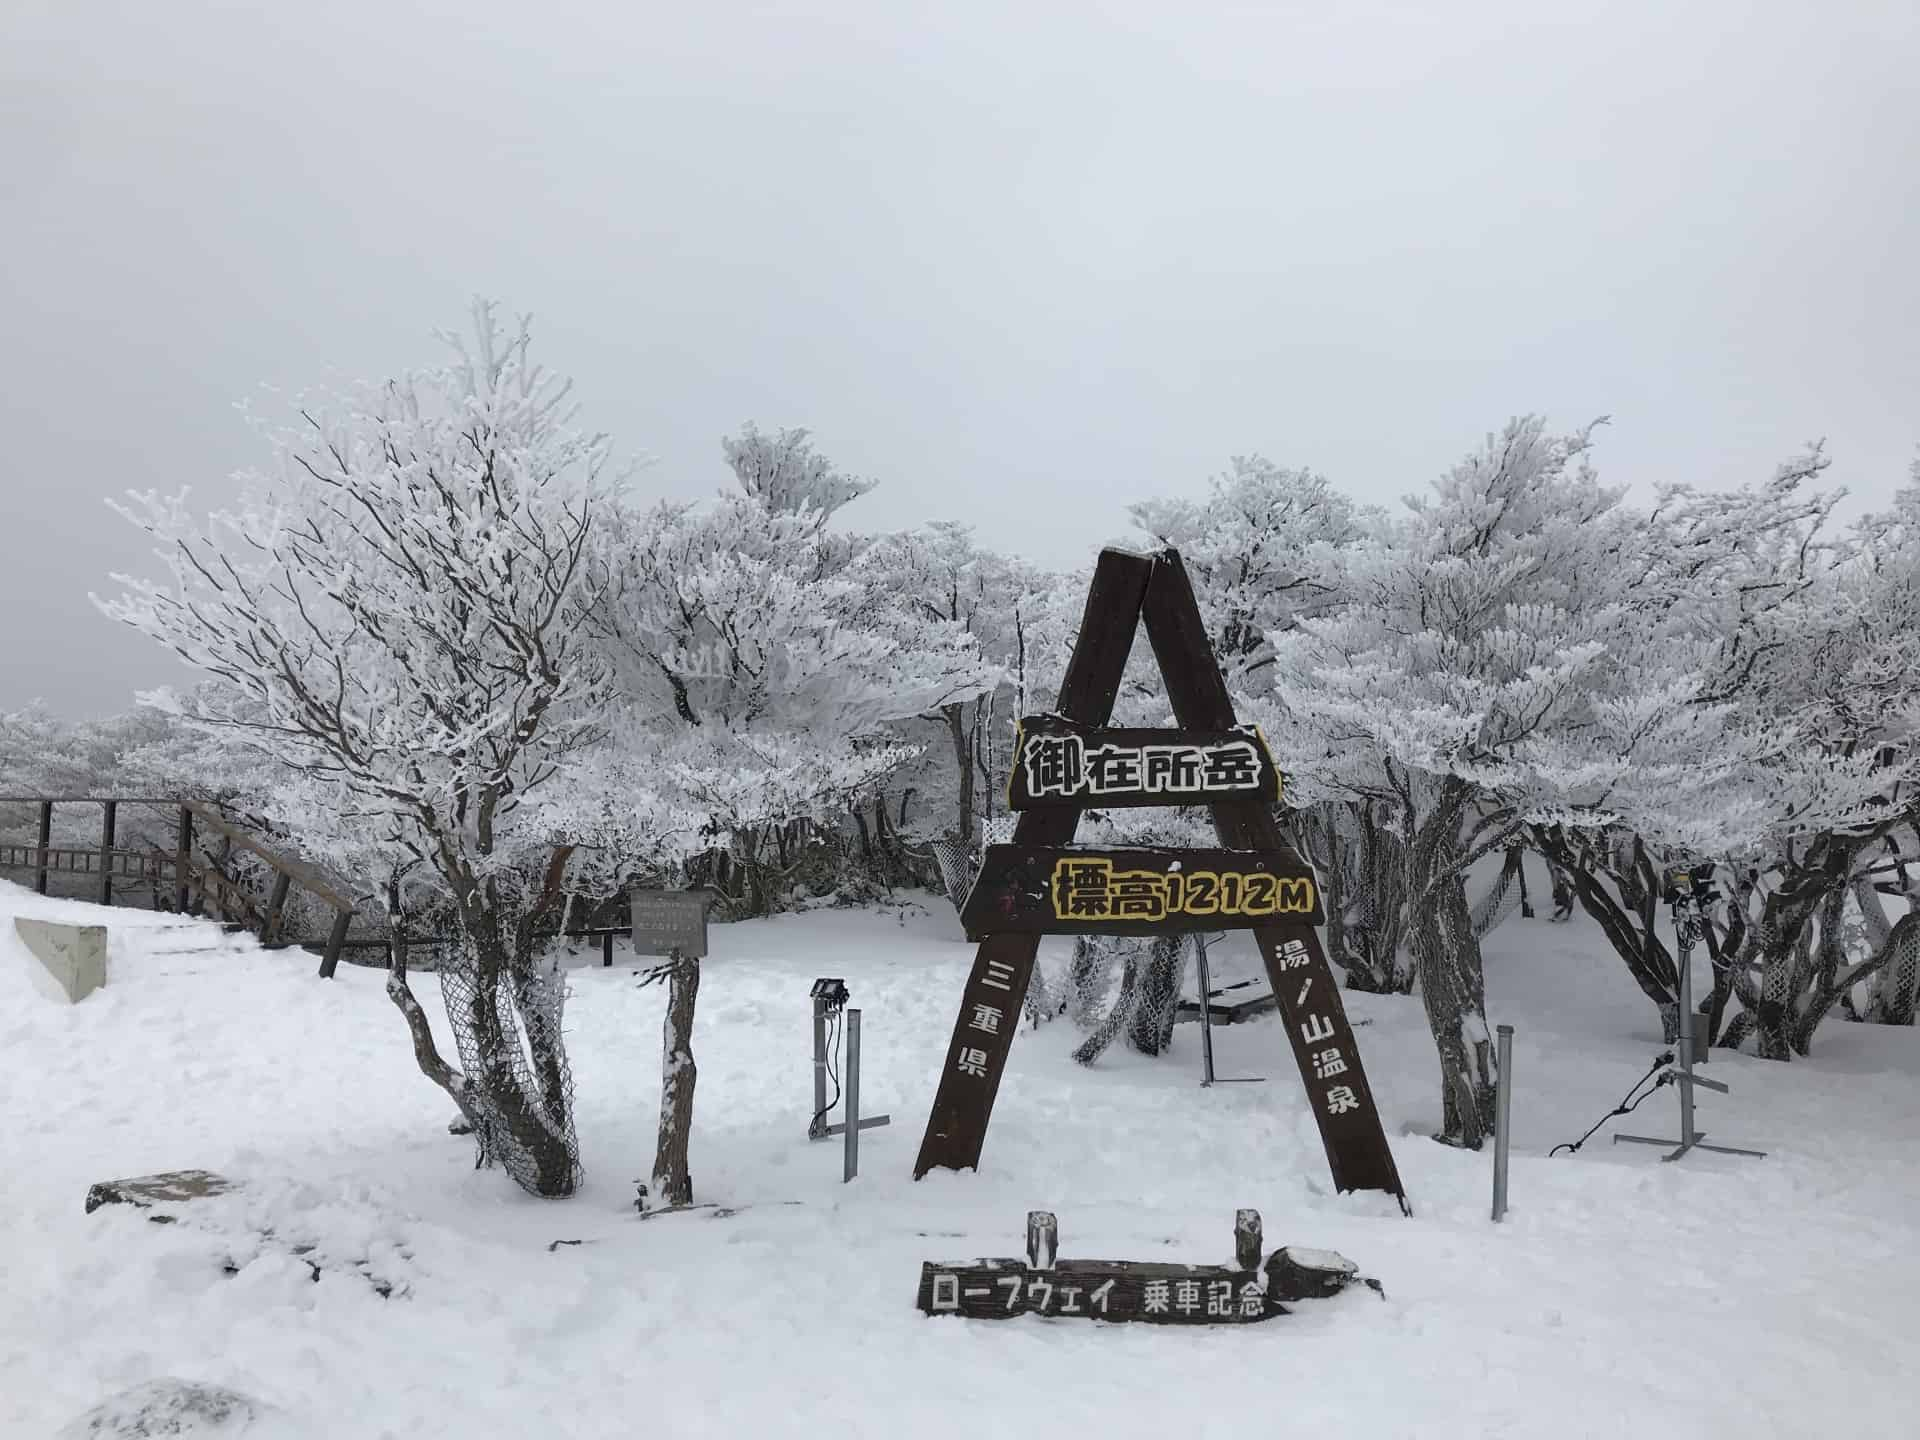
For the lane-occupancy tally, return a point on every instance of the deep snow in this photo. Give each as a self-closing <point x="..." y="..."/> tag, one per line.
<point x="1716" y="1296"/>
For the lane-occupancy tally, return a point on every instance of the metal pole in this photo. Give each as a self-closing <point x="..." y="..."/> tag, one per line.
<point x="853" y="1096"/>
<point x="1687" y="1134"/>
<point x="1502" y="1120"/>
<point x="1206" y="1007"/>
<point x="819" y="1067"/>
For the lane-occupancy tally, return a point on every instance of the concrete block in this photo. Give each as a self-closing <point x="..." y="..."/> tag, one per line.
<point x="74" y="955"/>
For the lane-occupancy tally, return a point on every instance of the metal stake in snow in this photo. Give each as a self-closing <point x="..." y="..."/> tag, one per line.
<point x="829" y="1008"/>
<point x="1502" y="1120"/>
<point x="1206" y="1021"/>
<point x="1689" y="893"/>
<point x="852" y="1127"/>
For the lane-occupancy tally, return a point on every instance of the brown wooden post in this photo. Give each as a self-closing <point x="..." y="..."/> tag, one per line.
<point x="1307" y="995"/>
<point x="182" y="861"/>
<point x="108" y="809"/>
<point x="46" y="835"/>
<point x="335" y="940"/>
<point x="1003" y="965"/>
<point x="1246" y="1239"/>
<point x="276" y="903"/>
<point x="606" y="950"/>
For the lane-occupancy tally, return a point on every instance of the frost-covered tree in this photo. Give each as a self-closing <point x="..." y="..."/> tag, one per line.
<point x="784" y="474"/>
<point x="1262" y="550"/>
<point x="392" y="613"/>
<point x="1710" y="580"/>
<point x="752" y="630"/>
<point x="1480" y="678"/>
<point x="938" y="581"/>
<point x="1842" y="793"/>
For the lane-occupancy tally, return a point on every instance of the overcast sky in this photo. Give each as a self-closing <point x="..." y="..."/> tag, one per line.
<point x="1022" y="263"/>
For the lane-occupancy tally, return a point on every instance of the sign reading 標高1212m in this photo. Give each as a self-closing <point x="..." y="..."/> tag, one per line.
<point x="1060" y="763"/>
<point x="1063" y="891"/>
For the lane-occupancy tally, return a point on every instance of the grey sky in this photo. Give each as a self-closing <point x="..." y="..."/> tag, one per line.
<point x="1021" y="262"/>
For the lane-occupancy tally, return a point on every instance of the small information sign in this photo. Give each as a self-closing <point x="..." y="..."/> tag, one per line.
<point x="668" y="922"/>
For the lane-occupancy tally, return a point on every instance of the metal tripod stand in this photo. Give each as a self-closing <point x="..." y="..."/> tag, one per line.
<point x="1689" y="893"/>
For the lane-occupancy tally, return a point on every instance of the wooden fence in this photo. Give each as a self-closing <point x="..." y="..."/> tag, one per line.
<point x="183" y="884"/>
<point x="193" y="886"/>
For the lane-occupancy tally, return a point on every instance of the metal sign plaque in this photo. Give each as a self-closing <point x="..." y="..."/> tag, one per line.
<point x="668" y="922"/>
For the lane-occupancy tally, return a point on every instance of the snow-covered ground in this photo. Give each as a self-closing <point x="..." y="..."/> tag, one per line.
<point x="1717" y="1296"/>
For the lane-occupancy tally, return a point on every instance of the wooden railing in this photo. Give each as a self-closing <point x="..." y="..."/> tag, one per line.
<point x="194" y="888"/>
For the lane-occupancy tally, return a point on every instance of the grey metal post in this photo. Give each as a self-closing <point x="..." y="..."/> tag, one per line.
<point x="853" y="1096"/>
<point x="1206" y="1007"/>
<point x="1502" y="1119"/>
<point x="1689" y="919"/>
<point x="1687" y="1134"/>
<point x="819" y="1067"/>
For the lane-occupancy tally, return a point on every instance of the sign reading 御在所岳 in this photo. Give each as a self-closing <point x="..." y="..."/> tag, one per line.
<point x="1057" y="762"/>
<point x="1060" y="891"/>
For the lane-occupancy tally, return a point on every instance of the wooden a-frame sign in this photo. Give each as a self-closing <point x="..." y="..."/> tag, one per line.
<point x="1016" y="880"/>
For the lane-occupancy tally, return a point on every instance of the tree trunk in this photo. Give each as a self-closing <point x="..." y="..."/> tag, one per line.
<point x="1626" y="918"/>
<point x="1452" y="984"/>
<point x="1784" y="946"/>
<point x="513" y="1121"/>
<point x="1563" y="896"/>
<point x="1150" y="1031"/>
<point x="1376" y="902"/>
<point x="1092" y="957"/>
<point x="963" y="762"/>
<point x="1125" y="1001"/>
<point x="671" y="1184"/>
<point x="519" y="1096"/>
<point x="1895" y="993"/>
<point x="426" y="1054"/>
<point x="1723" y="954"/>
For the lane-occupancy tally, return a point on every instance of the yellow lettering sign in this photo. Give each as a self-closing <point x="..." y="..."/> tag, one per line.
<point x="1089" y="888"/>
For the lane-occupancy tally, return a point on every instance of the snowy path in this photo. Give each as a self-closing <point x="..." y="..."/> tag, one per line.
<point x="1714" y="1297"/>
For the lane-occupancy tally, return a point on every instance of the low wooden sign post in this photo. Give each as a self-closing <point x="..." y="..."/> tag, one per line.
<point x="1139" y="1291"/>
<point x="1040" y="885"/>
<point x="673" y="923"/>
